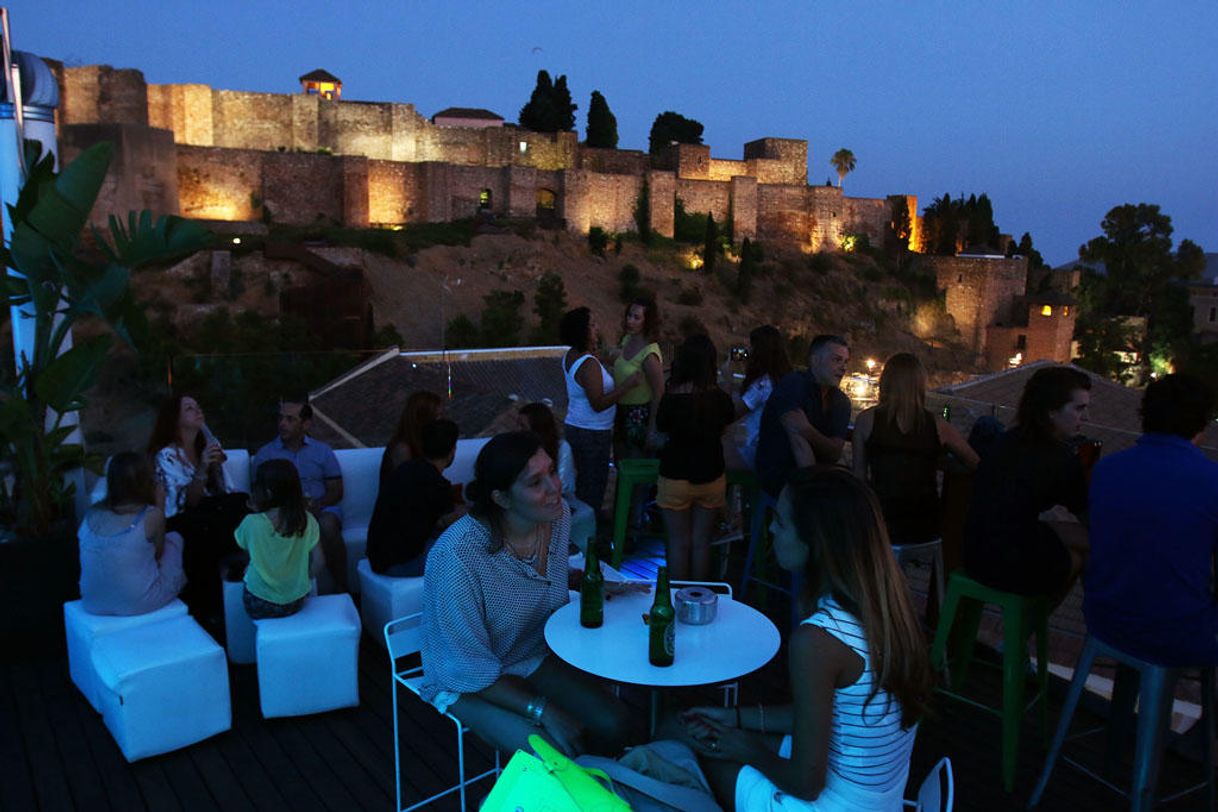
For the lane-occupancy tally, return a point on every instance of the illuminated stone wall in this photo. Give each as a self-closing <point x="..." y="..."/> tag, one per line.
<point x="141" y="174"/>
<point x="785" y="159"/>
<point x="980" y="293"/>
<point x="613" y="161"/>
<point x="219" y="184"/>
<point x="705" y="196"/>
<point x="595" y="199"/>
<point x="1050" y="336"/>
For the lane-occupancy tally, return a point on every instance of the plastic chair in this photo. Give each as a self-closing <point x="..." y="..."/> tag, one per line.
<point x="938" y="790"/>
<point x="404" y="637"/>
<point x="1156" y="686"/>
<point x="1022" y="616"/>
<point x="629" y="474"/>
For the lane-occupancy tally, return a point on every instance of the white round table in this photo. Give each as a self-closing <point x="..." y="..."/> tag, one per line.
<point x="740" y="640"/>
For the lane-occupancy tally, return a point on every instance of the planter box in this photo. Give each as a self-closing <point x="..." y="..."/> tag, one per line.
<point x="37" y="576"/>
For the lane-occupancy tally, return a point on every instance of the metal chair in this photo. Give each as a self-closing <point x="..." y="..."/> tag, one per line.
<point x="403" y="637"/>
<point x="931" y="553"/>
<point x="1156" y="689"/>
<point x="938" y="790"/>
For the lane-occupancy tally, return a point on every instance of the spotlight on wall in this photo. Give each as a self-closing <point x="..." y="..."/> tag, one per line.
<point x="236" y="240"/>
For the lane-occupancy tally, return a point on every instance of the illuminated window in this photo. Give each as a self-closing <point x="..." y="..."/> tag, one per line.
<point x="524" y="147"/>
<point x="547" y="202"/>
<point x="1065" y="310"/>
<point x="484" y="199"/>
<point x="1047" y="310"/>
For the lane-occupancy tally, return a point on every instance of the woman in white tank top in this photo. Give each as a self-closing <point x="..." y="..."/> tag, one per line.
<point x="860" y="676"/>
<point x="591" y="406"/>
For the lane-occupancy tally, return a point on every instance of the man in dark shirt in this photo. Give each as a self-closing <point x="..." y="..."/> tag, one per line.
<point x="414" y="505"/>
<point x="1154" y="533"/>
<point x="806" y="419"/>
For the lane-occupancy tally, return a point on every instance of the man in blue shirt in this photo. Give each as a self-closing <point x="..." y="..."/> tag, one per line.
<point x="320" y="478"/>
<point x="806" y="418"/>
<point x="1154" y="531"/>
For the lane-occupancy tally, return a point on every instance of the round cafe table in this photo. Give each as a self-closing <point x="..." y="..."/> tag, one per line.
<point x="739" y="640"/>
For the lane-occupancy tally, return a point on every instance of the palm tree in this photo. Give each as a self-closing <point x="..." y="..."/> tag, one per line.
<point x="843" y="161"/>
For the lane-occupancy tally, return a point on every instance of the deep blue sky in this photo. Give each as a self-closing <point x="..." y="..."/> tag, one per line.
<point x="1058" y="110"/>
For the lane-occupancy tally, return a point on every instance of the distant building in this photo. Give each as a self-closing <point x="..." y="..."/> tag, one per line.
<point x="1203" y="298"/>
<point x="998" y="315"/>
<point x="473" y="117"/>
<point x="321" y="83"/>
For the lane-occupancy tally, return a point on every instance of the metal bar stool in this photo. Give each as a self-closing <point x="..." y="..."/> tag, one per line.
<point x="630" y="473"/>
<point x="1156" y="690"/>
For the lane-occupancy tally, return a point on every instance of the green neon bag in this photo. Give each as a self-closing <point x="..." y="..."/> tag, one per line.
<point x="551" y="782"/>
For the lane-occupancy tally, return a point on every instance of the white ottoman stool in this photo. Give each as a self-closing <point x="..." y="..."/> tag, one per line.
<point x="162" y="686"/>
<point x="238" y="628"/>
<point x="385" y="599"/>
<point x="83" y="630"/>
<point x="309" y="662"/>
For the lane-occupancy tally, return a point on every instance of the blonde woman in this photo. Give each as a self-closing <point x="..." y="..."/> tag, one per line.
<point x="897" y="448"/>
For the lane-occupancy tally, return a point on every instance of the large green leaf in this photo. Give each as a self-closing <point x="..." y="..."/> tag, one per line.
<point x="65" y="380"/>
<point x="51" y="226"/>
<point x="141" y="241"/>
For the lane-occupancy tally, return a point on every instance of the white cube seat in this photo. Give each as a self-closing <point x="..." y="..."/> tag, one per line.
<point x="162" y="686"/>
<point x="238" y="628"/>
<point x="384" y="598"/>
<point x="83" y="630"/>
<point x="309" y="662"/>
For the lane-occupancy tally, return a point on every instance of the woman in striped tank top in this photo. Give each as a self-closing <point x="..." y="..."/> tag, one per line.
<point x="859" y="669"/>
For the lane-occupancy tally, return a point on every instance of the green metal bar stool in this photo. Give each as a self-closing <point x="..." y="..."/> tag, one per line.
<point x="1022" y="616"/>
<point x="629" y="474"/>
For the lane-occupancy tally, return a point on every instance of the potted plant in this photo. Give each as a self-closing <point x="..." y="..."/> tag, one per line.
<point x="57" y="287"/>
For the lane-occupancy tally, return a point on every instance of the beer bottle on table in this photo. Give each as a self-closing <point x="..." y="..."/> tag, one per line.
<point x="592" y="591"/>
<point x="662" y="622"/>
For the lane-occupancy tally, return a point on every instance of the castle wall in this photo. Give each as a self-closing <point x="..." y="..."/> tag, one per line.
<point x="142" y="172"/>
<point x="783" y="216"/>
<point x="596" y="199"/>
<point x="612" y="161"/>
<point x="867" y="215"/>
<point x="788" y="157"/>
<point x="392" y="191"/>
<point x="219" y="184"/>
<point x="828" y="217"/>
<point x="979" y="291"/>
<point x="663" y="197"/>
<point x="725" y="170"/>
<point x="260" y="121"/>
<point x="1049" y="337"/>
<point x="705" y="196"/>
<point x="744" y="208"/>
<point x="100" y="94"/>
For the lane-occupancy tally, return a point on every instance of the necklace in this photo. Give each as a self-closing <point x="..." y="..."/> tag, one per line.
<point x="531" y="558"/>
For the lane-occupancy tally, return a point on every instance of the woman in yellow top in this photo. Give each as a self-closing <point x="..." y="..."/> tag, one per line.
<point x="638" y="351"/>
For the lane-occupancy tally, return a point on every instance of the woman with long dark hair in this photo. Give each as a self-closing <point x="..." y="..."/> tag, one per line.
<point x="407" y="443"/>
<point x="1016" y="538"/>
<point x="768" y="363"/>
<point x="897" y="448"/>
<point x="638" y="352"/>
<point x="592" y="400"/>
<point x="492" y="580"/>
<point x="693" y="414"/>
<point x="129" y="565"/>
<point x="860" y="675"/>
<point x="197" y="497"/>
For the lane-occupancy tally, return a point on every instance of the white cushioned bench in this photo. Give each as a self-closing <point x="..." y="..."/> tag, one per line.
<point x="309" y="662"/>
<point x="384" y="598"/>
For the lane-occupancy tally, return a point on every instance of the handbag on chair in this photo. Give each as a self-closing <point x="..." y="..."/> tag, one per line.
<point x="551" y="782"/>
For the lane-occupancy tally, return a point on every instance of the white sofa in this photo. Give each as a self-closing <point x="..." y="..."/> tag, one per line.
<point x="361" y="481"/>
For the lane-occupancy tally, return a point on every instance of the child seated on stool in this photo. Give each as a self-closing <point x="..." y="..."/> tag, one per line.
<point x="279" y="537"/>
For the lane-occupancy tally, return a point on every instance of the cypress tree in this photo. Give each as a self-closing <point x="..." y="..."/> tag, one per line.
<point x="711" y="248"/>
<point x="642" y="212"/>
<point x="564" y="108"/>
<point x="602" y="124"/>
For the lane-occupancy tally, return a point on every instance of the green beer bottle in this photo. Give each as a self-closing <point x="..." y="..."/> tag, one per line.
<point x="662" y="622"/>
<point x="592" y="591"/>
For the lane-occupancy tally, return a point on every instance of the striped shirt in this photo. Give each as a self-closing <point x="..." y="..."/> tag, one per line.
<point x="868" y="751"/>
<point x="484" y="614"/>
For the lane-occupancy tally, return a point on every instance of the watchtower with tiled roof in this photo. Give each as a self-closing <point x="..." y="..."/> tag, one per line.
<point x="321" y="83"/>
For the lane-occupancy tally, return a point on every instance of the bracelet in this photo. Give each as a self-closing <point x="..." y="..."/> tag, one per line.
<point x="534" y="710"/>
<point x="761" y="716"/>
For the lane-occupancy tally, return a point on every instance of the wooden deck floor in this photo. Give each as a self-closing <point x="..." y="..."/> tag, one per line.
<point x="55" y="753"/>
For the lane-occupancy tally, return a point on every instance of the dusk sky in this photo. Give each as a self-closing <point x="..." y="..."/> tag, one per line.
<point x="1058" y="110"/>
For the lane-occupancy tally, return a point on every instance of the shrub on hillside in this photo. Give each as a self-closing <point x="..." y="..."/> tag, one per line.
<point x="628" y="283"/>
<point x="501" y="318"/>
<point x="461" y="333"/>
<point x="598" y="240"/>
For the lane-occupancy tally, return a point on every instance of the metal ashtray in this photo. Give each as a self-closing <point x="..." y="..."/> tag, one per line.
<point x="696" y="605"/>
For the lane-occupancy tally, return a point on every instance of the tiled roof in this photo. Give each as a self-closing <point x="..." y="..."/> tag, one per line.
<point x="362" y="406"/>
<point x="466" y="112"/>
<point x="1114" y="416"/>
<point x="320" y="75"/>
